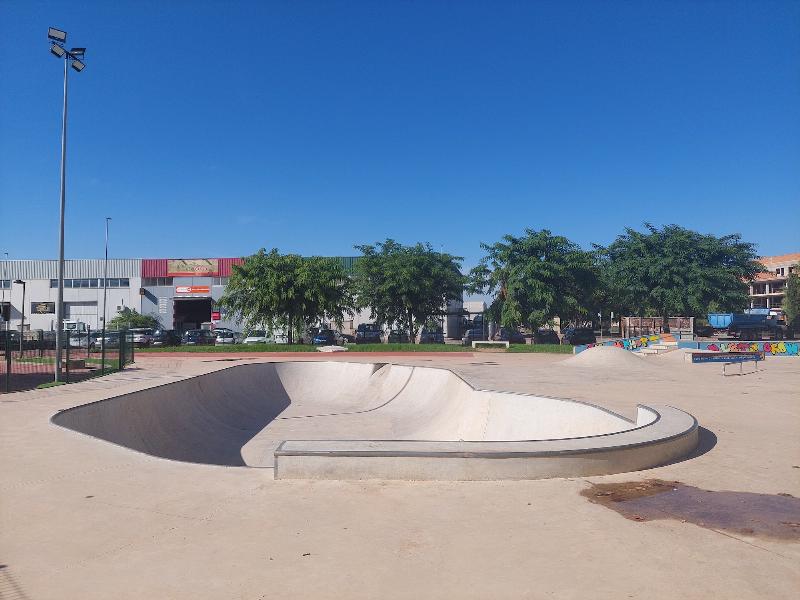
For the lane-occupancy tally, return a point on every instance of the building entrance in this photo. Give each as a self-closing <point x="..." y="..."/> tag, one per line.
<point x="191" y="313"/>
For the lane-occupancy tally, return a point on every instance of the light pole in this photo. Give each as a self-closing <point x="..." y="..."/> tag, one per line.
<point x="22" y="326"/>
<point x="105" y="294"/>
<point x="72" y="58"/>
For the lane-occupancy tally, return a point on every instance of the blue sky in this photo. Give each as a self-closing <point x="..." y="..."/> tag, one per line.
<point x="213" y="129"/>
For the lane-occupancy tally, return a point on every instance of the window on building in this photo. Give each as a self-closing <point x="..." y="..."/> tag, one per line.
<point x="92" y="283"/>
<point x="5" y="284"/>
<point x="156" y="282"/>
<point x="219" y="280"/>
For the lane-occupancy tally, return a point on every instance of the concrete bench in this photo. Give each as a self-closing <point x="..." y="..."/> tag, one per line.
<point x="490" y="343"/>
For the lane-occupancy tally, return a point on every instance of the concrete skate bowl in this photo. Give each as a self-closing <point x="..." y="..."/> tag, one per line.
<point x="337" y="420"/>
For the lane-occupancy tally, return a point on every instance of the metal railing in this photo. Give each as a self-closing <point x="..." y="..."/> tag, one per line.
<point x="27" y="359"/>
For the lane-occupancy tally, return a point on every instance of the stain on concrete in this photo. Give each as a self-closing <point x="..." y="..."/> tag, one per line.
<point x="774" y="516"/>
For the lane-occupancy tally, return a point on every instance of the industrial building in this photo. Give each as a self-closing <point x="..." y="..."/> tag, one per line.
<point x="180" y="292"/>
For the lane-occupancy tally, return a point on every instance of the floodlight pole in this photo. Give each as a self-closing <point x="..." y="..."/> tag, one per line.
<point x="60" y="305"/>
<point x="105" y="295"/>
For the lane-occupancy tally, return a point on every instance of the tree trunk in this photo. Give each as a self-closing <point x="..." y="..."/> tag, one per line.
<point x="412" y="338"/>
<point x="289" y="332"/>
<point x="665" y="322"/>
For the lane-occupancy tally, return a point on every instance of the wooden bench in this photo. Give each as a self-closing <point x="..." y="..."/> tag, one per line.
<point x="490" y="343"/>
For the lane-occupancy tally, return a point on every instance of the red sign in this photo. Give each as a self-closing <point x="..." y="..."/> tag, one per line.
<point x="215" y="315"/>
<point x="192" y="289"/>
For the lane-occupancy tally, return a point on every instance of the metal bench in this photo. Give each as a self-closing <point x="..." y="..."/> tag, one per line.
<point x="729" y="358"/>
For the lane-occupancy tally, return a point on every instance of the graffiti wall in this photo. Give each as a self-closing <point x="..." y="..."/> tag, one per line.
<point x="632" y="343"/>
<point x="775" y="348"/>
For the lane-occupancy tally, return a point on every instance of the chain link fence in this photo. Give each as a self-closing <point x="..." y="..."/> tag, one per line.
<point x="28" y="359"/>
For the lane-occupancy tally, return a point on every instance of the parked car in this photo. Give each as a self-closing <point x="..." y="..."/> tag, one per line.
<point x="431" y="336"/>
<point x="83" y="340"/>
<point x="397" y="336"/>
<point x="326" y="337"/>
<point x="165" y="337"/>
<point x="345" y="338"/>
<point x="257" y="337"/>
<point x="512" y="336"/>
<point x="224" y="337"/>
<point x="368" y="333"/>
<point x="579" y="335"/>
<point x="111" y="340"/>
<point x="142" y="337"/>
<point x="546" y="336"/>
<point x="199" y="337"/>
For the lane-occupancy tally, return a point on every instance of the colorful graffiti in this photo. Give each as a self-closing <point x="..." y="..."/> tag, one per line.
<point x="633" y="343"/>
<point x="773" y="348"/>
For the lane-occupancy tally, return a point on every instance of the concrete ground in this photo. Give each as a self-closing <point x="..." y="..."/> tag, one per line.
<point x="85" y="519"/>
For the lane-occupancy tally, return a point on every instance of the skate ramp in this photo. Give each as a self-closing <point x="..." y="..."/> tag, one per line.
<point x="286" y="414"/>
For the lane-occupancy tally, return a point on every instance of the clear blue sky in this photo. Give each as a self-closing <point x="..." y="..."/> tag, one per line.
<point x="213" y="129"/>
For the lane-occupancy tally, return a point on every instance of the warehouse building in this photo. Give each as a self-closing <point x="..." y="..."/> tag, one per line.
<point x="180" y="292"/>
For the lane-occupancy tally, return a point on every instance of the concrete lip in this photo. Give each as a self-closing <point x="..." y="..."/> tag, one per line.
<point x="346" y="420"/>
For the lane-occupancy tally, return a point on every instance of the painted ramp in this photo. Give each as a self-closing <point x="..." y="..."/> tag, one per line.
<point x="337" y="420"/>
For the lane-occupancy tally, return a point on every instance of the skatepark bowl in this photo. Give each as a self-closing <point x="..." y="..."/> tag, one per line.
<point x="339" y="420"/>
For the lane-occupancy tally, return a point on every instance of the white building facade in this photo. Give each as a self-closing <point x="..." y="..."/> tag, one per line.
<point x="83" y="291"/>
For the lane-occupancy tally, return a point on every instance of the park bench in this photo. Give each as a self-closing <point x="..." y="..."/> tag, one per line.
<point x="728" y="358"/>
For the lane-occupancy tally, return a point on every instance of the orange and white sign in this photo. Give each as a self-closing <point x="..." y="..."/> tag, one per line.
<point x="192" y="289"/>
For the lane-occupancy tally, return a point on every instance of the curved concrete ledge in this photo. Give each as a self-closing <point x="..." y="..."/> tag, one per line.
<point x="671" y="435"/>
<point x="335" y="420"/>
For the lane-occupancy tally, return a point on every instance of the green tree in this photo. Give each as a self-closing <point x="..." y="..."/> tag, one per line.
<point x="287" y="291"/>
<point x="406" y="285"/>
<point x="128" y="318"/>
<point x="791" y="301"/>
<point x="535" y="278"/>
<point x="678" y="271"/>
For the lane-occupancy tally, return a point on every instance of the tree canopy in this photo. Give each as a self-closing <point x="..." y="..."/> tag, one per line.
<point x="128" y="318"/>
<point x="791" y="301"/>
<point x="286" y="292"/>
<point x="676" y="271"/>
<point x="404" y="286"/>
<point x="534" y="278"/>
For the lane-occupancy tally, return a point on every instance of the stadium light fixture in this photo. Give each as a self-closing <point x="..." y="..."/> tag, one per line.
<point x="57" y="35"/>
<point x="72" y="57"/>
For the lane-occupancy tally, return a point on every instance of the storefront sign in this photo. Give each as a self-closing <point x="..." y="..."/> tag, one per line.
<point x="192" y="266"/>
<point x="43" y="308"/>
<point x="192" y="289"/>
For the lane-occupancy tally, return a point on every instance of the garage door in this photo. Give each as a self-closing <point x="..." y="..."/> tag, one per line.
<point x="82" y="311"/>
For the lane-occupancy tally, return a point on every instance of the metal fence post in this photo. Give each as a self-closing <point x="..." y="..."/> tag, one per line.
<point x="66" y="353"/>
<point x="7" y="346"/>
<point x="121" y="356"/>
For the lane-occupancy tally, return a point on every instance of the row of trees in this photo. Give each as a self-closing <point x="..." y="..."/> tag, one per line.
<point x="403" y="286"/>
<point x="529" y="280"/>
<point x="656" y="272"/>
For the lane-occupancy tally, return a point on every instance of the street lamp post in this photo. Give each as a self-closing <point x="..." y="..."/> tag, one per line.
<point x="105" y="294"/>
<point x="71" y="58"/>
<point x="22" y="326"/>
